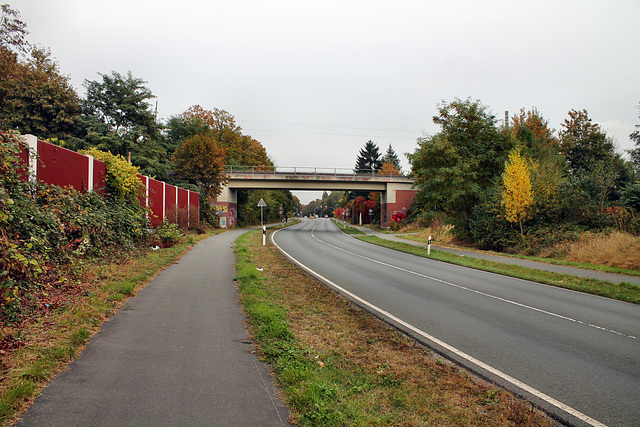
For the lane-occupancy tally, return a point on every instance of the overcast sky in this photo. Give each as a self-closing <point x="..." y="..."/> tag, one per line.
<point x="314" y="80"/>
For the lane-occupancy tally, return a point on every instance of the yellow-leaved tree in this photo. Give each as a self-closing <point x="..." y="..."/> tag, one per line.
<point x="517" y="194"/>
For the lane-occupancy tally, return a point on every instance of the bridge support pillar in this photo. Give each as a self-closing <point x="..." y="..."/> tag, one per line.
<point x="226" y="207"/>
<point x="394" y="203"/>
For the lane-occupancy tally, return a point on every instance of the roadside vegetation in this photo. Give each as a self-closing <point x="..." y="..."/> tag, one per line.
<point x="612" y="251"/>
<point x="621" y="291"/>
<point x="67" y="261"/>
<point x="338" y="365"/>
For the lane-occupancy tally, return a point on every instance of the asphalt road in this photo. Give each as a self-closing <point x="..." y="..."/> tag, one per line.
<point x="178" y="354"/>
<point x="575" y="355"/>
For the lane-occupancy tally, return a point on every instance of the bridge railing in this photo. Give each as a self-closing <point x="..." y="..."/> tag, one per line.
<point x="262" y="170"/>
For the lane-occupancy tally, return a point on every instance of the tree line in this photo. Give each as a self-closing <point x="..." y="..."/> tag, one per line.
<point x="522" y="185"/>
<point x="116" y="115"/>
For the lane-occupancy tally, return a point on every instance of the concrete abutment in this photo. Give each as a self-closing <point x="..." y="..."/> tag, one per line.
<point x="397" y="192"/>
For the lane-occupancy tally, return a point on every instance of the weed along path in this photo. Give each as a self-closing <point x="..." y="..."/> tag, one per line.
<point x="176" y="354"/>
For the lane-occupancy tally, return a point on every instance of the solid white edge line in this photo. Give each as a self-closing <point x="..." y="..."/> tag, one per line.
<point x="540" y="395"/>
<point x="465" y="288"/>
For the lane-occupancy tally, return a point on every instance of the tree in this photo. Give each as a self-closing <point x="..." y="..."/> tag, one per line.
<point x="117" y="117"/>
<point x="595" y="167"/>
<point x="392" y="158"/>
<point x="517" y="196"/>
<point x="390" y="169"/>
<point x="547" y="167"/>
<point x="121" y="102"/>
<point x="200" y="159"/>
<point x="533" y="130"/>
<point x="454" y="167"/>
<point x="241" y="149"/>
<point x="635" y="136"/>
<point x="584" y="142"/>
<point x="35" y="97"/>
<point x="13" y="31"/>
<point x="368" y="160"/>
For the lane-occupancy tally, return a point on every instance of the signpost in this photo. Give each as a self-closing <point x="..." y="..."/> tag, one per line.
<point x="262" y="204"/>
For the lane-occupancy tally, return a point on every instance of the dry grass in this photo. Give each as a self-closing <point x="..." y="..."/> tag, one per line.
<point x="616" y="249"/>
<point x="410" y="385"/>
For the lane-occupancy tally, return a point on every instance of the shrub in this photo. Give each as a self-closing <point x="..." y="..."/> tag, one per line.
<point x="122" y="177"/>
<point x="168" y="234"/>
<point x="47" y="233"/>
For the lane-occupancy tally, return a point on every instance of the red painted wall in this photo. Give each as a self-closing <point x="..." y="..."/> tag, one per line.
<point x="170" y="207"/>
<point x="62" y="167"/>
<point x="404" y="198"/>
<point x="156" y="202"/>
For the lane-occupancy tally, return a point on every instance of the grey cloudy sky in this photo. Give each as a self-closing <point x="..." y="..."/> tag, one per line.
<point x="314" y="80"/>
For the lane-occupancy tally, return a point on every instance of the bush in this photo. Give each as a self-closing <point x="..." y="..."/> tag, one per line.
<point x="168" y="234"/>
<point x="47" y="233"/>
<point x="122" y="177"/>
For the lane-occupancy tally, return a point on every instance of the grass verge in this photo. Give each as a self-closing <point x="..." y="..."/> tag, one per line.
<point x="347" y="228"/>
<point x="620" y="291"/>
<point x="338" y="365"/>
<point x="422" y="238"/>
<point x="50" y="343"/>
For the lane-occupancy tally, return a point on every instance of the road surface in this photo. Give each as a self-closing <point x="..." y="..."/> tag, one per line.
<point x="576" y="355"/>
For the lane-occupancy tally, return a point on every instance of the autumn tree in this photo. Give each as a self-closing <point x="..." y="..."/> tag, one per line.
<point x="532" y="129"/>
<point x="539" y="144"/>
<point x="35" y="97"/>
<point x="200" y="160"/>
<point x="390" y="169"/>
<point x="241" y="149"/>
<point x="390" y="157"/>
<point x="517" y="195"/>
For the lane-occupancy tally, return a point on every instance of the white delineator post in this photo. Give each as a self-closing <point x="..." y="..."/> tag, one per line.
<point x="429" y="246"/>
<point x="262" y="204"/>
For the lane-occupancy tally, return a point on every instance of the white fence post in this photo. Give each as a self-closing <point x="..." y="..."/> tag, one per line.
<point x="32" y="144"/>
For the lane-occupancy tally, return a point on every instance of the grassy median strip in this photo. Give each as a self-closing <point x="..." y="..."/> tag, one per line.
<point x="621" y="291"/>
<point x="47" y="345"/>
<point x="338" y="365"/>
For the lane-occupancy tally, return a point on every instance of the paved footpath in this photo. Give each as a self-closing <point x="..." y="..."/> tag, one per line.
<point x="573" y="271"/>
<point x="178" y="354"/>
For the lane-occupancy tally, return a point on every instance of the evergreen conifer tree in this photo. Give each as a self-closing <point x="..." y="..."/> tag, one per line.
<point x="369" y="159"/>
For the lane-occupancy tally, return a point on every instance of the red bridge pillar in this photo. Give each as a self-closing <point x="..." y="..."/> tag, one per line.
<point x="395" y="203"/>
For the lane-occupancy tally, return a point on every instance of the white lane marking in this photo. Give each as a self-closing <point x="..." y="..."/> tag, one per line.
<point x="535" y="392"/>
<point x="528" y="307"/>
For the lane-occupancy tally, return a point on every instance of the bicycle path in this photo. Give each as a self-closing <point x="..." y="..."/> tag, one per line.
<point x="573" y="271"/>
<point x="178" y="353"/>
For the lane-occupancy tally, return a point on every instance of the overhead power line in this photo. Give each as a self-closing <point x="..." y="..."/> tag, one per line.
<point x="332" y="133"/>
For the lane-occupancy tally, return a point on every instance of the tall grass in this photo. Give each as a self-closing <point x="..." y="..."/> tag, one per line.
<point x="617" y="249"/>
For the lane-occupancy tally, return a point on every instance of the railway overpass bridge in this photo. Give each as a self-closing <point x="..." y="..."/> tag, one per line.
<point x="396" y="191"/>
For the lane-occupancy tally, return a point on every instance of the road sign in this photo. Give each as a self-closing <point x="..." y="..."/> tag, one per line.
<point x="261" y="203"/>
<point x="280" y="210"/>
